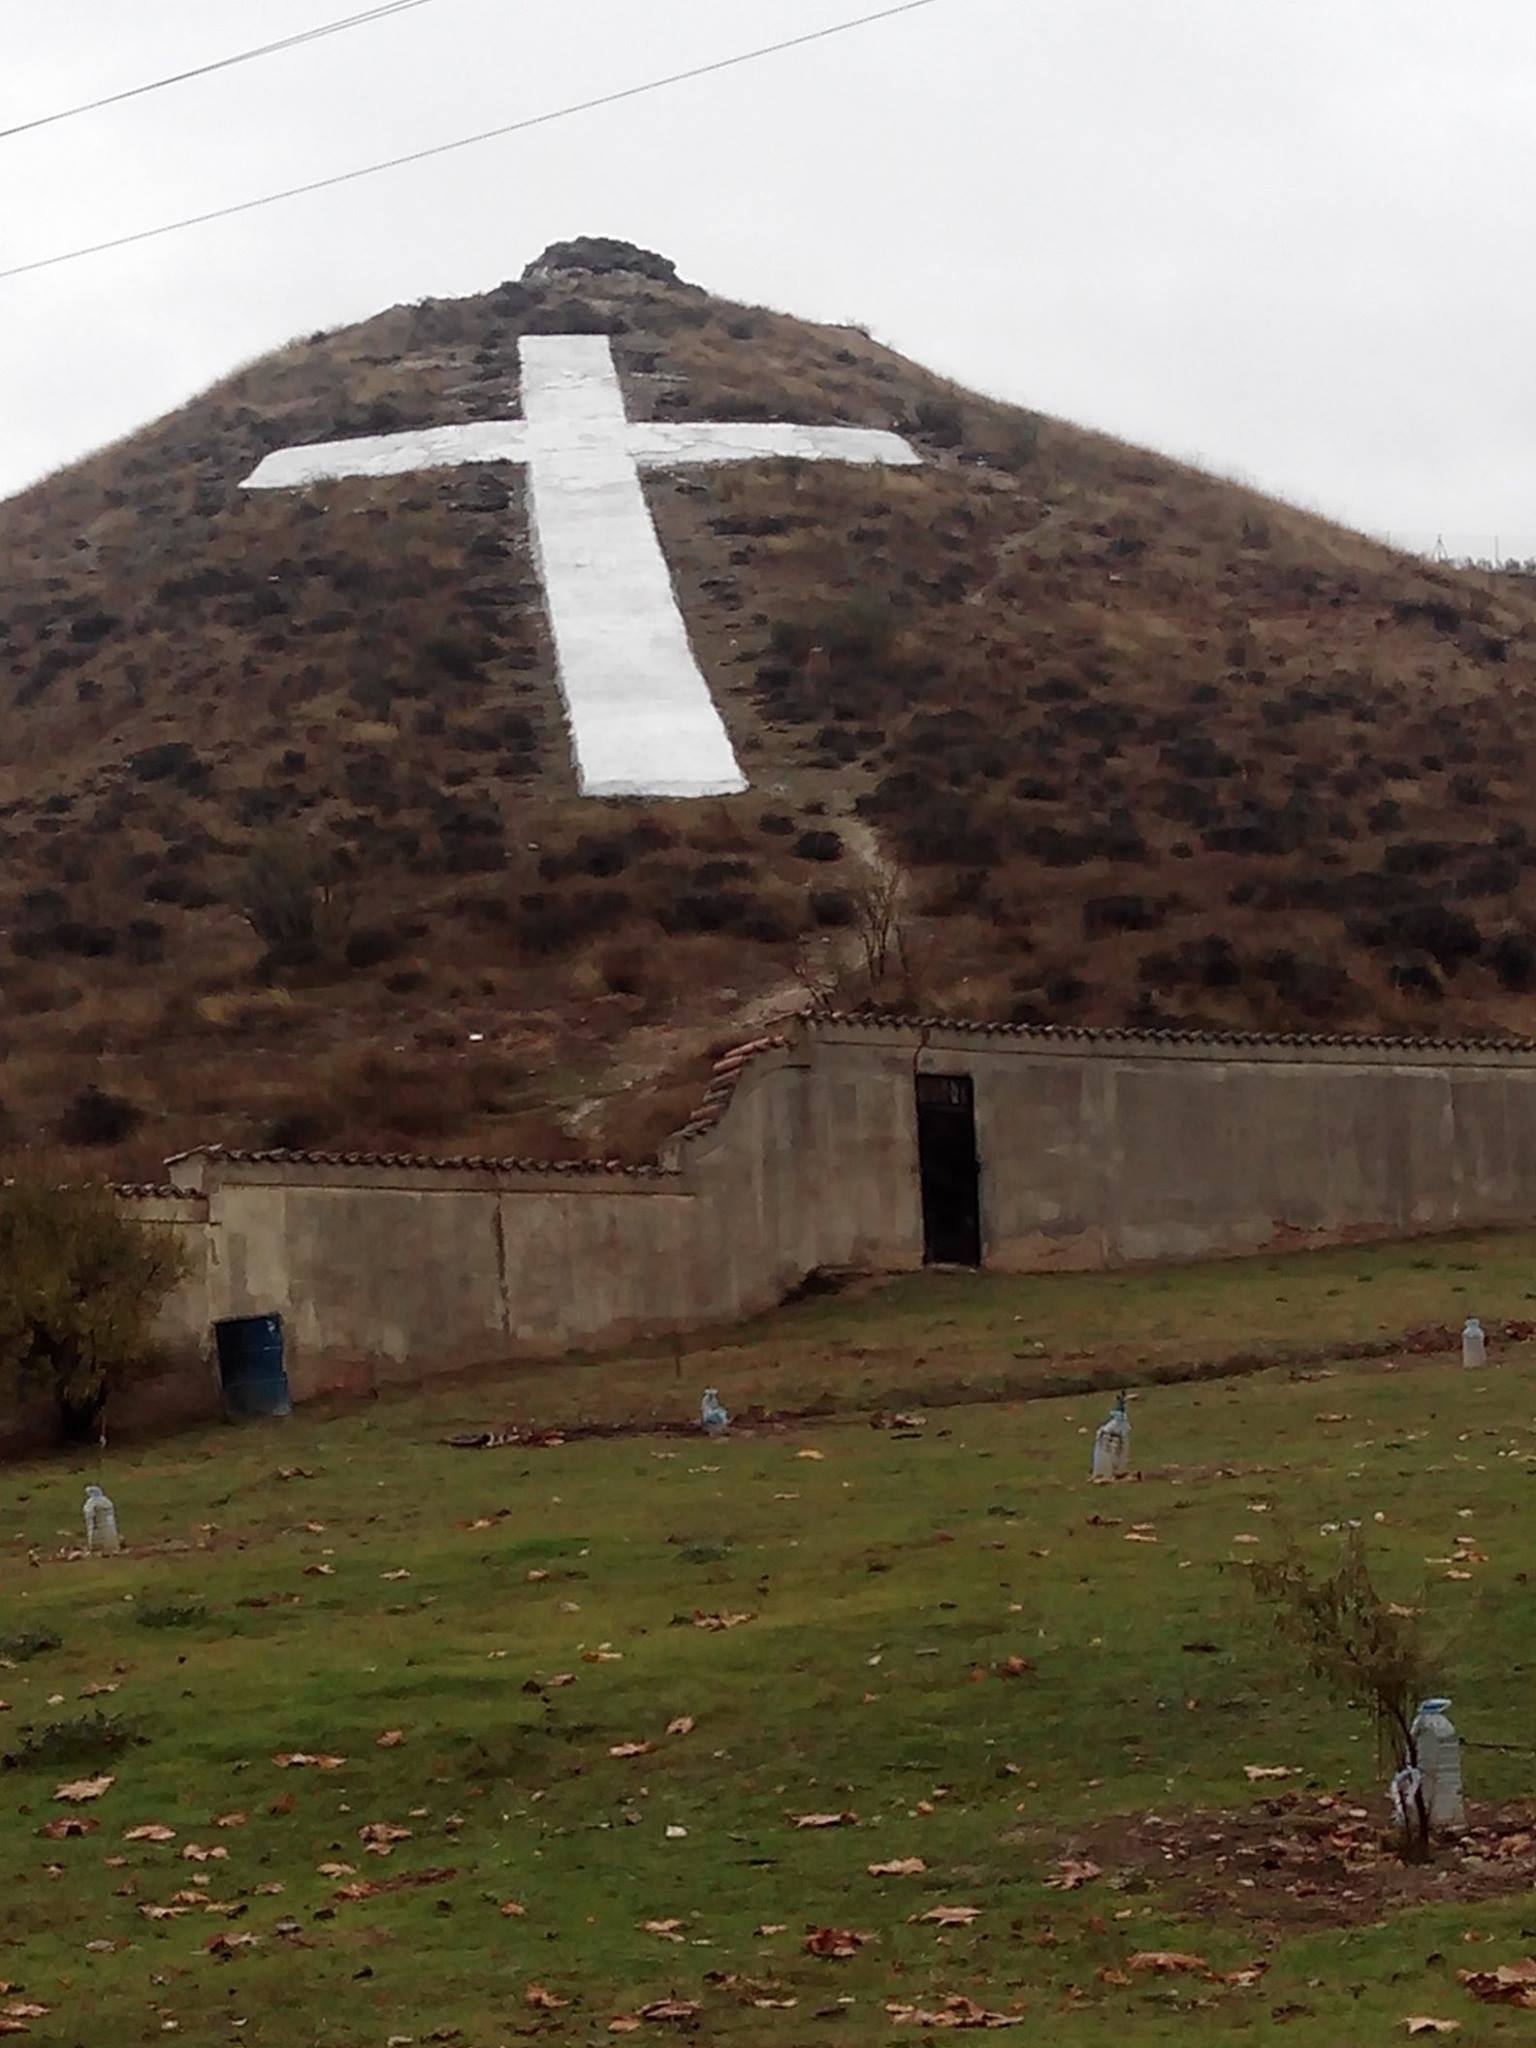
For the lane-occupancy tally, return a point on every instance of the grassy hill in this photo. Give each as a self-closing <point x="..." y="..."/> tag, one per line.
<point x="293" y="852"/>
<point x="543" y="1796"/>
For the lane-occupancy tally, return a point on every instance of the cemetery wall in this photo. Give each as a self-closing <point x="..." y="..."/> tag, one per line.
<point x="1096" y="1149"/>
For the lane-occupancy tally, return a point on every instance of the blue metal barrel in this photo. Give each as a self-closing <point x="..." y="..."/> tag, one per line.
<point x="251" y="1370"/>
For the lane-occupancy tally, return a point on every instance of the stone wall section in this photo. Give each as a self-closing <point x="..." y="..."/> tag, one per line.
<point x="1097" y="1149"/>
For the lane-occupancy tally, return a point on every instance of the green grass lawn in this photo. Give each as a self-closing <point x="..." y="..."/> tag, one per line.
<point x="402" y="1586"/>
<point x="956" y="1336"/>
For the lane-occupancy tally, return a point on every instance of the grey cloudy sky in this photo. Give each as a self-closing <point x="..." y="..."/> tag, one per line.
<point x="1287" y="238"/>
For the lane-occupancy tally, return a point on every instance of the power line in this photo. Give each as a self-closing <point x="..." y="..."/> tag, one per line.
<point x="609" y="99"/>
<point x="293" y="42"/>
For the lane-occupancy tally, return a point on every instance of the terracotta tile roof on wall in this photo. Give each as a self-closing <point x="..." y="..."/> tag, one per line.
<point x="1079" y="1034"/>
<point x="151" y="1191"/>
<point x="724" y="1076"/>
<point x="575" y="1168"/>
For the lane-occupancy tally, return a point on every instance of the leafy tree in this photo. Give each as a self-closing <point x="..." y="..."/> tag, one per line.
<point x="80" y="1287"/>
<point x="1366" y="1650"/>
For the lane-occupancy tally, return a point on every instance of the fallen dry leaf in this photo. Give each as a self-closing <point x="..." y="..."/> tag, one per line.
<point x="770" y="1927"/>
<point x="196" y="1852"/>
<point x="669" y="1930"/>
<point x="94" y="1692"/>
<point x="163" y="1912"/>
<point x="1421" y="2023"/>
<point x="226" y="1945"/>
<point x="230" y="1820"/>
<point x="624" y="2023"/>
<point x="663" y="2009"/>
<point x="408" y="1880"/>
<point x="382" y="1832"/>
<point x="946" y="1916"/>
<point x="719" y="1621"/>
<point x="541" y="1999"/>
<point x="1254" y="1772"/>
<point x="81" y="1789"/>
<point x="394" y="1576"/>
<point x="824" y="1820"/>
<point x="1509" y="1984"/>
<point x="901" y="1866"/>
<point x="834" y="1941"/>
<point x="630" y="1748"/>
<point x="813" y="1457"/>
<point x="1074" y="1871"/>
<point x="300" y="1759"/>
<point x="1164" y="1962"/>
<point x="953" y="2013"/>
<point x="390" y="1739"/>
<point x="775" y="2004"/>
<point x="68" y="1824"/>
<point x="683" y="1725"/>
<point x="513" y="1909"/>
<point x="335" y="1870"/>
<point x="319" y="1571"/>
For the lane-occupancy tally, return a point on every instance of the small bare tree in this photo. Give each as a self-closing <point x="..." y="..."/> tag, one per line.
<point x="1364" y="1649"/>
<point x="877" y="916"/>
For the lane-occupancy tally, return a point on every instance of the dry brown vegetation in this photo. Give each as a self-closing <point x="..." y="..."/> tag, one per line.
<point x="293" y="850"/>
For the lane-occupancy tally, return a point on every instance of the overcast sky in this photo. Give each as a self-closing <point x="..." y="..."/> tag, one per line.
<point x="1287" y="238"/>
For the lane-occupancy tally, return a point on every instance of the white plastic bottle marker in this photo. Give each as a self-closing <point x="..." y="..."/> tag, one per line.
<point x="100" y="1523"/>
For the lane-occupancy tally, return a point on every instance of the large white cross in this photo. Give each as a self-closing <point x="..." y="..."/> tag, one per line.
<point x="643" y="721"/>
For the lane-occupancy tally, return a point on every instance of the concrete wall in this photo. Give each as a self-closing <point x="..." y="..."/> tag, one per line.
<point x="1096" y="1150"/>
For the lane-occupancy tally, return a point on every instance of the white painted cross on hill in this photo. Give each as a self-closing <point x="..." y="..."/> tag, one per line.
<point x="643" y="721"/>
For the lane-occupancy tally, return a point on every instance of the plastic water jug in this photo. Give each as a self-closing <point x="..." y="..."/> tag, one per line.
<point x="1112" y="1445"/>
<point x="1474" y="1344"/>
<point x="712" y="1416"/>
<point x="100" y="1522"/>
<point x="1439" y="1752"/>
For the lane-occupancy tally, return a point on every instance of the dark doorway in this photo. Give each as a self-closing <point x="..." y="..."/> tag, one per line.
<point x="951" y="1174"/>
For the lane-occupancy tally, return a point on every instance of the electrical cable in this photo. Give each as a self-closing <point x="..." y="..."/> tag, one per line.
<point x="293" y="42"/>
<point x="417" y="156"/>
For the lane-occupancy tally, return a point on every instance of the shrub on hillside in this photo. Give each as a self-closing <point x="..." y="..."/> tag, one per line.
<point x="95" y="1117"/>
<point x="819" y="846"/>
<point x="1513" y="959"/>
<point x="942" y="419"/>
<point x="832" y="908"/>
<point x="1103" y="914"/>
<point x="372" y="945"/>
<point x="170" y="761"/>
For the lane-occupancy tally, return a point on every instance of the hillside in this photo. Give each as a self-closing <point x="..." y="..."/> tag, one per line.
<point x="294" y="850"/>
